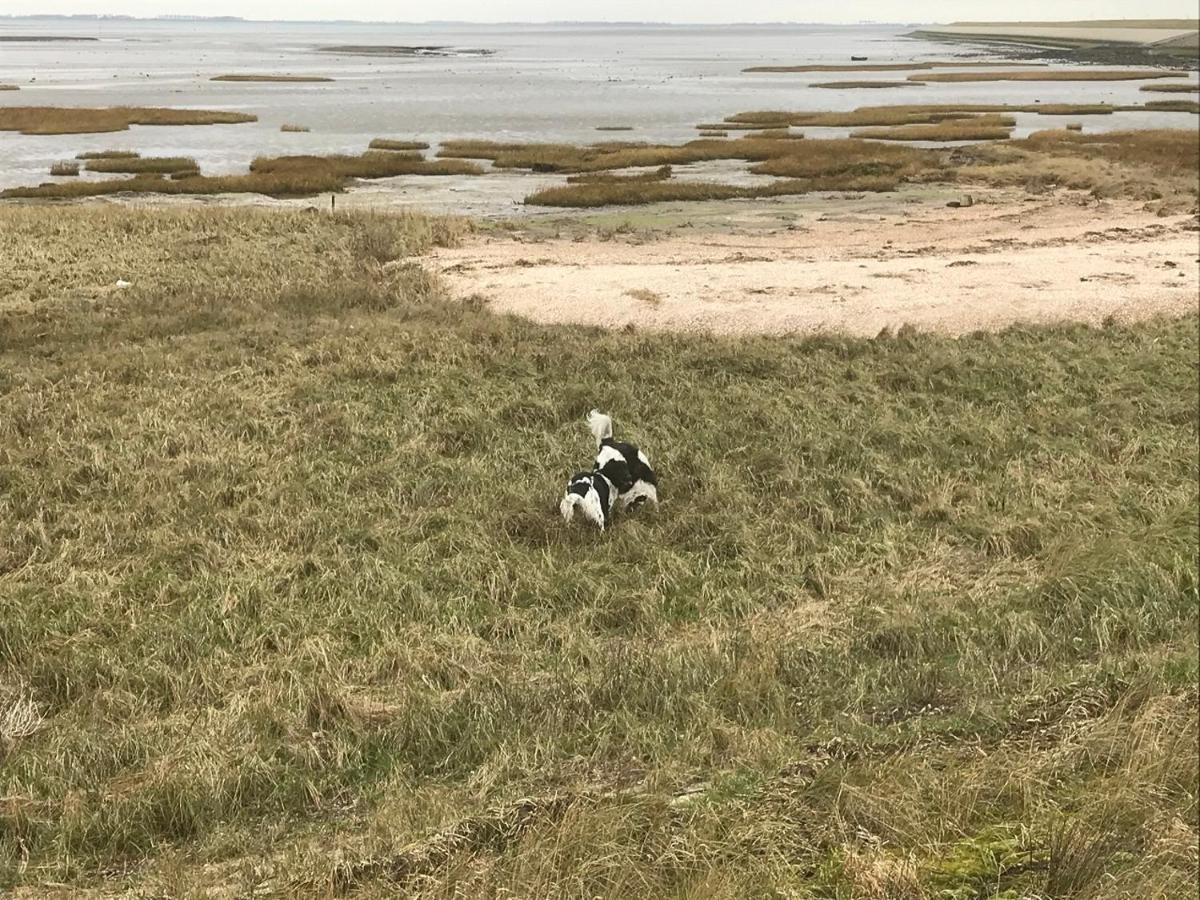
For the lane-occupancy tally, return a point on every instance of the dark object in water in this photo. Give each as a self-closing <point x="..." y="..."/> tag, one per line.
<point x="858" y="59"/>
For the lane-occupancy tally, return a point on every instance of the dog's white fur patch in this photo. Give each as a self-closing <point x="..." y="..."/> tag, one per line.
<point x="589" y="507"/>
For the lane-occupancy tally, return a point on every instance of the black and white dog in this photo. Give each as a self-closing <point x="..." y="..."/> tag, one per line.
<point x="624" y="465"/>
<point x="593" y="495"/>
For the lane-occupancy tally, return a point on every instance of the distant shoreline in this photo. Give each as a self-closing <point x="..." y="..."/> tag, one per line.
<point x="1140" y="40"/>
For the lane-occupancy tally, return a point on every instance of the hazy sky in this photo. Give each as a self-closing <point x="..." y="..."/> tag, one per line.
<point x="625" y="10"/>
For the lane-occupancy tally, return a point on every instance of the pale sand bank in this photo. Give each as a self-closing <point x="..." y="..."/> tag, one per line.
<point x="997" y="263"/>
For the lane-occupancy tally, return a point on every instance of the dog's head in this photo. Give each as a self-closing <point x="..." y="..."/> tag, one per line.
<point x="587" y="492"/>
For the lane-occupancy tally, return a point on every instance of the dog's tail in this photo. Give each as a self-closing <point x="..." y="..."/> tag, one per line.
<point x="568" y="504"/>
<point x="600" y="425"/>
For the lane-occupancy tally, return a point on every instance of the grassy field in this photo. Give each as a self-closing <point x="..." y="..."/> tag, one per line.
<point x="286" y="606"/>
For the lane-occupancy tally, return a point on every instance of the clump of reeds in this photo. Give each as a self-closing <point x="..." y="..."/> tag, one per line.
<point x="851" y="85"/>
<point x="92" y="120"/>
<point x="978" y="128"/>
<point x="1182" y="87"/>
<point x="389" y="144"/>
<point x="9" y="87"/>
<point x="713" y="133"/>
<point x="926" y="114"/>
<point x="1047" y="75"/>
<point x="373" y="164"/>
<point x="147" y="165"/>
<point x="660" y="174"/>
<point x="640" y="193"/>
<point x="287" y="126"/>
<point x="884" y="67"/>
<point x="271" y="185"/>
<point x="270" y="78"/>
<point x="108" y="154"/>
<point x="614" y="128"/>
<point x="64" y="168"/>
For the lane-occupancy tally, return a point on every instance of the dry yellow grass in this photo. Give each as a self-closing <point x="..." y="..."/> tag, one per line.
<point x="66" y="169"/>
<point x="927" y="113"/>
<point x="856" y="158"/>
<point x="93" y="120"/>
<point x="270" y="78"/>
<point x="885" y="67"/>
<point x="271" y="185"/>
<point x="287" y="126"/>
<point x="109" y="154"/>
<point x="9" y="87"/>
<point x="1048" y="75"/>
<point x="281" y="176"/>
<point x="851" y="85"/>
<point x="660" y="174"/>
<point x="373" y="164"/>
<point x="144" y="165"/>
<point x="979" y="128"/>
<point x="389" y="144"/>
<point x="1157" y="166"/>
<point x="569" y="158"/>
<point x="1182" y="87"/>
<point x="624" y="193"/>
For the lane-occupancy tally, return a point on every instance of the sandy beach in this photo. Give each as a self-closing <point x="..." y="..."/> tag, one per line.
<point x="851" y="268"/>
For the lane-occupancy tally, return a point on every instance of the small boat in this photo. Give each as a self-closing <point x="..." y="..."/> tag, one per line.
<point x="858" y="59"/>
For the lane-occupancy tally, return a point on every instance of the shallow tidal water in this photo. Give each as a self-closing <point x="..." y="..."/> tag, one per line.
<point x="541" y="82"/>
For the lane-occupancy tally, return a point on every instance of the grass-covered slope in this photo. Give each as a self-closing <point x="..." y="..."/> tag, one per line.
<point x="285" y="604"/>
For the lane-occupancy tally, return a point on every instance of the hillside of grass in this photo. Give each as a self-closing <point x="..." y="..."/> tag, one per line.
<point x="286" y="607"/>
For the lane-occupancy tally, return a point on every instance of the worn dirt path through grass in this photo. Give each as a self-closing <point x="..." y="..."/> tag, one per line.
<point x="996" y="263"/>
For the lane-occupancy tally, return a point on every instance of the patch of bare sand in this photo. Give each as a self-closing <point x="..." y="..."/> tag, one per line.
<point x="1059" y="258"/>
